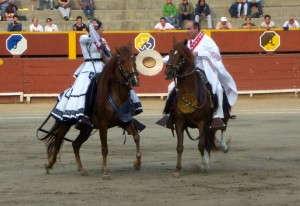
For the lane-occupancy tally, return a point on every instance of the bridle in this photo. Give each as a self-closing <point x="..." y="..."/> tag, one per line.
<point x="178" y="67"/>
<point x="126" y="76"/>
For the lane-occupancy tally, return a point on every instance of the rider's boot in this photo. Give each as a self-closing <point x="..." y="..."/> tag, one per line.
<point x="217" y="123"/>
<point x="169" y="103"/>
<point x="166" y="120"/>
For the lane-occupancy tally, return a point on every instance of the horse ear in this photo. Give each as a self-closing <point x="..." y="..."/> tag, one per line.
<point x="174" y="41"/>
<point x="117" y="50"/>
<point x="185" y="42"/>
<point x="129" y="46"/>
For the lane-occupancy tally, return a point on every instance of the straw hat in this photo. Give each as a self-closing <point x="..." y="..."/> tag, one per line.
<point x="149" y="62"/>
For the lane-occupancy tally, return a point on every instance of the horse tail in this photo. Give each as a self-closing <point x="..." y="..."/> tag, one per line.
<point x="51" y="140"/>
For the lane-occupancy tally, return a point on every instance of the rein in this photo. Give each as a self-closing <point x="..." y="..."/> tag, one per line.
<point x="124" y="74"/>
<point x="176" y="75"/>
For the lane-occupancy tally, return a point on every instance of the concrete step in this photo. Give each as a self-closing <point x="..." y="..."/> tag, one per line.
<point x="144" y="14"/>
<point x="141" y="15"/>
<point x="145" y="4"/>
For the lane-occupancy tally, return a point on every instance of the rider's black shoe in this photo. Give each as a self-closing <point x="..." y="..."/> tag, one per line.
<point x="84" y="123"/>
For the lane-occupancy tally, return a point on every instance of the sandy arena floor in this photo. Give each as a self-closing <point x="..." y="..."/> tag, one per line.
<point x="261" y="168"/>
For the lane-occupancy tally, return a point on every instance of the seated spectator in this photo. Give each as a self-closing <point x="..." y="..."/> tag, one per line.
<point x="3" y="5"/>
<point x="79" y="26"/>
<point x="248" y="24"/>
<point x="35" y="26"/>
<point x="202" y="12"/>
<point x="40" y="4"/>
<point x="224" y="24"/>
<point x="169" y="11"/>
<point x="88" y="8"/>
<point x="10" y="12"/>
<point x="242" y="4"/>
<point x="256" y="3"/>
<point x="163" y="25"/>
<point x="185" y="12"/>
<point x="50" y="27"/>
<point x="64" y="8"/>
<point x="267" y="23"/>
<point x="15" y="25"/>
<point x="291" y="23"/>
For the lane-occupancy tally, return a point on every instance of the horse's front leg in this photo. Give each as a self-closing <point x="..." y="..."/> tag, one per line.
<point x="179" y="133"/>
<point x="136" y="137"/>
<point x="104" y="149"/>
<point x="81" y="138"/>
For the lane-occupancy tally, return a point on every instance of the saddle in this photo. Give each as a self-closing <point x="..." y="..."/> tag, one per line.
<point x="167" y="120"/>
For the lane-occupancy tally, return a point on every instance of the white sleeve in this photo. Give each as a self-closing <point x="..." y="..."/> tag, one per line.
<point x="210" y="50"/>
<point x="94" y="36"/>
<point x="165" y="59"/>
<point x="285" y="24"/>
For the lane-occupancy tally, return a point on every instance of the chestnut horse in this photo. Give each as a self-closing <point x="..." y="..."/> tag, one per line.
<point x="113" y="91"/>
<point x="192" y="104"/>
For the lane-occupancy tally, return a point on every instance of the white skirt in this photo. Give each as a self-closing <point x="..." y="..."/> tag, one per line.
<point x="71" y="103"/>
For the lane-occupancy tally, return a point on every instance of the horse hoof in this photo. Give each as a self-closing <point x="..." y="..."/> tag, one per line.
<point x="176" y="174"/>
<point x="47" y="169"/>
<point x="137" y="166"/>
<point x="106" y="177"/>
<point x="205" y="168"/>
<point x="83" y="172"/>
<point x="224" y="149"/>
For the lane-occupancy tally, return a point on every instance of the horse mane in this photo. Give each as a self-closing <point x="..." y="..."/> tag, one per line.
<point x="106" y="76"/>
<point x="109" y="69"/>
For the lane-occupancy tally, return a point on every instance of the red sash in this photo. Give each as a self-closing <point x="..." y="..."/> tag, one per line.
<point x="196" y="41"/>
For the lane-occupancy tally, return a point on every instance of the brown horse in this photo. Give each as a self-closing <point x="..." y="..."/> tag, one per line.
<point x="192" y="105"/>
<point x="113" y="91"/>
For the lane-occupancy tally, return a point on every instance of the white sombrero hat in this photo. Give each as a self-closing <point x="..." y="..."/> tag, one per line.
<point x="149" y="62"/>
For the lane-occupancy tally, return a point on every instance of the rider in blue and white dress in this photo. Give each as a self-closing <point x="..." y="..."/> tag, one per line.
<point x="71" y="105"/>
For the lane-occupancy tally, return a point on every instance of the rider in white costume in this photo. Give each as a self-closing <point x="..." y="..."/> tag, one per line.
<point x="208" y="59"/>
<point x="71" y="105"/>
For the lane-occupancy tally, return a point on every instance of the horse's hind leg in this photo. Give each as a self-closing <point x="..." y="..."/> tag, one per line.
<point x="223" y="145"/>
<point x="136" y="137"/>
<point x="104" y="149"/>
<point x="54" y="144"/>
<point x="82" y="137"/>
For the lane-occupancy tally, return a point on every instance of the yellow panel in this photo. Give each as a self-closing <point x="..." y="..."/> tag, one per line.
<point x="72" y="45"/>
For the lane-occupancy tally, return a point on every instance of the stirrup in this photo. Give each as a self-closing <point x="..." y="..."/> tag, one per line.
<point x="84" y="123"/>
<point x="165" y="121"/>
<point x="217" y="124"/>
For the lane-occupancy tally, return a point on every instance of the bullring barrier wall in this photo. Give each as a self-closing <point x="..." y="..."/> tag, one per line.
<point x="46" y="67"/>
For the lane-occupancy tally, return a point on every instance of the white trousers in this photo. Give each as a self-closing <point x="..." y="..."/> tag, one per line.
<point x="65" y="12"/>
<point x="206" y="18"/>
<point x="240" y="8"/>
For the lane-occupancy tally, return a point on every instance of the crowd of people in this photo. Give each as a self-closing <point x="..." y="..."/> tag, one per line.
<point x="9" y="8"/>
<point x="15" y="25"/>
<point x="173" y="16"/>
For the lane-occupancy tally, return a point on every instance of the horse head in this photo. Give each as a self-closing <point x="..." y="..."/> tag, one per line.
<point x="126" y="65"/>
<point x="181" y="61"/>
